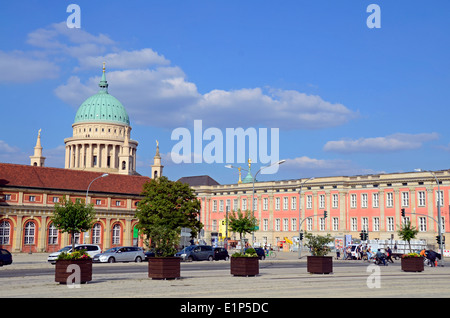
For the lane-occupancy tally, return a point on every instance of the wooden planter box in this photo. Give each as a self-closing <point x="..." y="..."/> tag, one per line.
<point x="319" y="264"/>
<point x="412" y="264"/>
<point x="244" y="266"/>
<point x="65" y="274"/>
<point x="164" y="267"/>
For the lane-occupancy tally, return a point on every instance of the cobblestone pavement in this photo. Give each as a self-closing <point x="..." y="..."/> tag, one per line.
<point x="344" y="282"/>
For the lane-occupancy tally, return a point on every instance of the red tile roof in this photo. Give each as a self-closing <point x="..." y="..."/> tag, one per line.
<point x="14" y="175"/>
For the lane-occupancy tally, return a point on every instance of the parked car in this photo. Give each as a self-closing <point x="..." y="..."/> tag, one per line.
<point x="91" y="250"/>
<point x="259" y="251"/>
<point x="221" y="253"/>
<point x="121" y="254"/>
<point x="196" y="253"/>
<point x="5" y="257"/>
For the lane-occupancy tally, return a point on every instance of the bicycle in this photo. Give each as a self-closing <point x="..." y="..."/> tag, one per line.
<point x="271" y="254"/>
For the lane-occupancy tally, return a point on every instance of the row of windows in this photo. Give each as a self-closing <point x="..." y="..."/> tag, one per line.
<point x="290" y="224"/>
<point x="291" y="202"/>
<point x="32" y="198"/>
<point x="52" y="239"/>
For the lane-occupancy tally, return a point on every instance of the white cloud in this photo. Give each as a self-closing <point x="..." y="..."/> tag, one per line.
<point x="389" y="143"/>
<point x="21" y="67"/>
<point x="306" y="166"/>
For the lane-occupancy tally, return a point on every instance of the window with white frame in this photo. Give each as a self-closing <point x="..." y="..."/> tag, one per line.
<point x="405" y="198"/>
<point x="235" y="204"/>
<point x="265" y="224"/>
<point x="439" y="198"/>
<point x="375" y="200"/>
<point x="277" y="203"/>
<point x="421" y="198"/>
<point x="244" y="204"/>
<point x="309" y="201"/>
<point x="354" y="224"/>
<point x="214" y="225"/>
<point x="335" y="201"/>
<point x="277" y="224"/>
<point x="294" y="224"/>
<point x="96" y="232"/>
<point x="29" y="233"/>
<point x="228" y="205"/>
<point x="322" y="201"/>
<point x="214" y="209"/>
<point x="335" y="224"/>
<point x="422" y="224"/>
<point x="55" y="199"/>
<point x="364" y="201"/>
<point x="285" y="203"/>
<point x="52" y="235"/>
<point x="389" y="200"/>
<point x="322" y="224"/>
<point x="442" y="224"/>
<point x="5" y="230"/>
<point x="309" y="224"/>
<point x="286" y="225"/>
<point x="353" y="200"/>
<point x="221" y="206"/>
<point x="376" y="224"/>
<point x="265" y="204"/>
<point x="116" y="234"/>
<point x="255" y="204"/>
<point x="293" y="203"/>
<point x="390" y="224"/>
<point x="365" y="224"/>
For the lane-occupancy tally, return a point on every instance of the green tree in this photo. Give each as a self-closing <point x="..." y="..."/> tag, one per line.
<point x="167" y="207"/>
<point x="318" y="244"/>
<point x="73" y="217"/>
<point x="242" y="223"/>
<point x="407" y="232"/>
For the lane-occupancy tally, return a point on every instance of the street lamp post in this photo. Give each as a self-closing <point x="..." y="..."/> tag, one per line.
<point x="300" y="216"/>
<point x="253" y="188"/>
<point x="87" y="191"/>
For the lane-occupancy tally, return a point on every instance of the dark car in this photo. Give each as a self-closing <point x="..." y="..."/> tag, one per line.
<point x="5" y="257"/>
<point x="196" y="253"/>
<point x="149" y="254"/>
<point x="221" y="253"/>
<point x="259" y="251"/>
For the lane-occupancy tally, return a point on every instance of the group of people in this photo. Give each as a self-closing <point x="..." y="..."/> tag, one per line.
<point x="364" y="252"/>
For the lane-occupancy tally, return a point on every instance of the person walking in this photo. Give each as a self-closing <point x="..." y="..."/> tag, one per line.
<point x="389" y="255"/>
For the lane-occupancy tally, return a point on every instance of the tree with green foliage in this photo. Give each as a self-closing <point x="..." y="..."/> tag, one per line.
<point x="318" y="244"/>
<point x="242" y="223"/>
<point x="407" y="232"/>
<point x="73" y="217"/>
<point x="167" y="207"/>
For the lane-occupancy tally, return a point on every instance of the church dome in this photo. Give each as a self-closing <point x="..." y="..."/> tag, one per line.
<point x="102" y="107"/>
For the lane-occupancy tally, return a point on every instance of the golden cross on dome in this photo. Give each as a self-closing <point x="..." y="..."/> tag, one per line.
<point x="104" y="67"/>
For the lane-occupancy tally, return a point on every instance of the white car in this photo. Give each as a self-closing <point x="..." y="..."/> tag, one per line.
<point x="121" y="254"/>
<point x="91" y="250"/>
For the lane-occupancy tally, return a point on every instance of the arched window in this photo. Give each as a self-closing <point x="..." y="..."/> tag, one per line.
<point x="29" y="233"/>
<point x="5" y="230"/>
<point x="116" y="235"/>
<point x="52" y="235"/>
<point x="96" y="231"/>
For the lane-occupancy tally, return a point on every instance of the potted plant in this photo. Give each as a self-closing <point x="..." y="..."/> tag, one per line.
<point x="73" y="217"/>
<point x="73" y="267"/>
<point x="167" y="207"/>
<point x="245" y="262"/>
<point x="318" y="262"/>
<point x="411" y="262"/>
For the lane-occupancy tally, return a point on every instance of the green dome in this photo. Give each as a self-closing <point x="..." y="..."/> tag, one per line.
<point x="102" y="107"/>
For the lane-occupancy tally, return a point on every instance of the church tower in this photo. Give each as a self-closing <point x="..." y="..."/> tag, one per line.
<point x="157" y="168"/>
<point x="37" y="159"/>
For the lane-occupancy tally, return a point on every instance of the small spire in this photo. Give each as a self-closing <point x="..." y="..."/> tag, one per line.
<point x="103" y="83"/>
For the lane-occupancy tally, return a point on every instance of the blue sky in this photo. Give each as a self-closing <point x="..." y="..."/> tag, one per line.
<point x="347" y="99"/>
